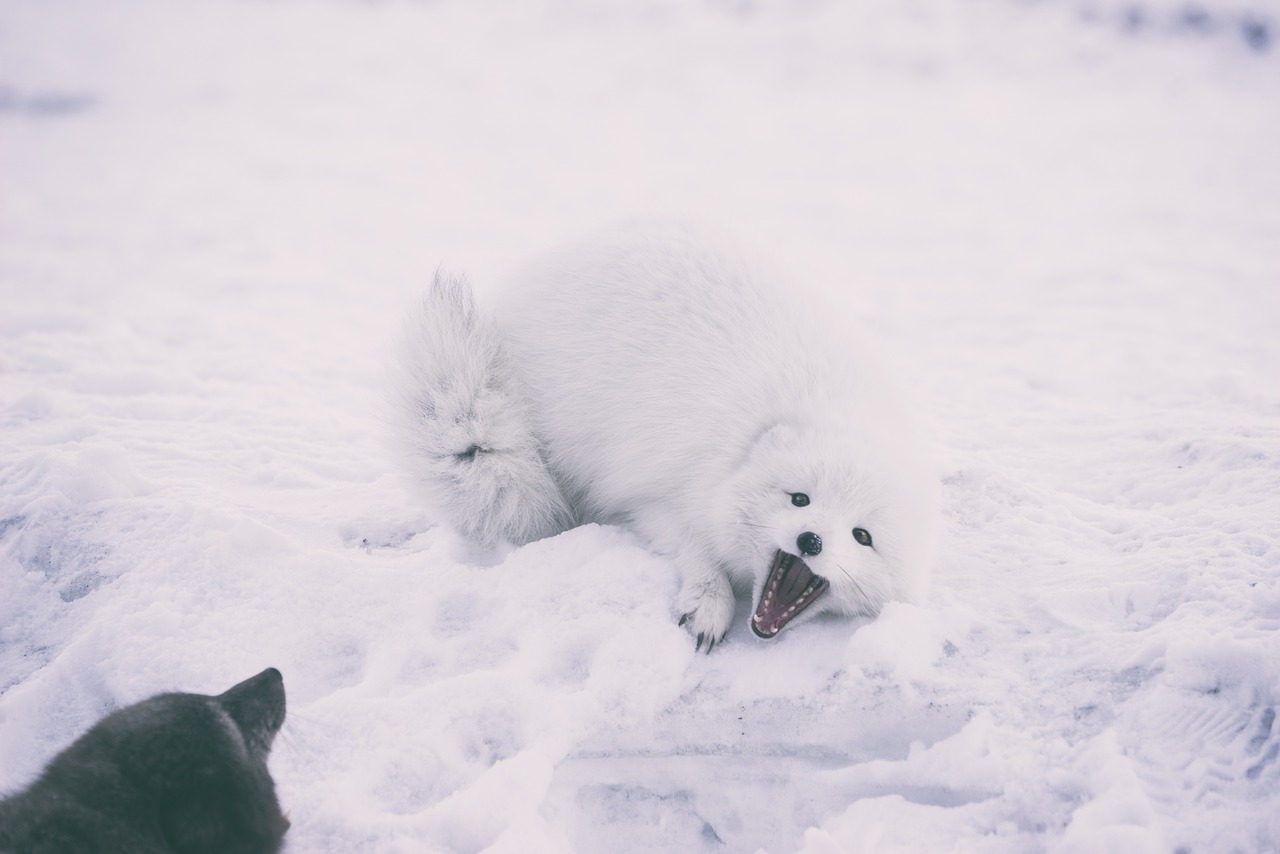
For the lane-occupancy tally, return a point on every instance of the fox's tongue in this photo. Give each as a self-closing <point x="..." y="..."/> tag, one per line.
<point x="790" y="588"/>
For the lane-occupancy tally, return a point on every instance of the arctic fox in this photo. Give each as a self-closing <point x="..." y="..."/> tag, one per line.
<point x="178" y="773"/>
<point x="655" y="380"/>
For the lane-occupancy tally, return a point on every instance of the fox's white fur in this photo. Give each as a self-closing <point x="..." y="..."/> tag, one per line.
<point x="655" y="380"/>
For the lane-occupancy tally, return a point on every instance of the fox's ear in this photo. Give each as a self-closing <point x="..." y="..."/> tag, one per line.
<point x="776" y="436"/>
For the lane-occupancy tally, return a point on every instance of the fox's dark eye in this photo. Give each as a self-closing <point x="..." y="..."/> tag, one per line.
<point x="799" y="499"/>
<point x="862" y="535"/>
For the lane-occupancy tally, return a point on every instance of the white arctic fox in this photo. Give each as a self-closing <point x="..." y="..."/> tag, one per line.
<point x="654" y="380"/>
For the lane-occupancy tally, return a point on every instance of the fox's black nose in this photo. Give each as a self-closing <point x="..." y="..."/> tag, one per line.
<point x="809" y="543"/>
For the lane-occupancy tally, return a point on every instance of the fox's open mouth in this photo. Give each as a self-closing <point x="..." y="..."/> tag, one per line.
<point x="790" y="588"/>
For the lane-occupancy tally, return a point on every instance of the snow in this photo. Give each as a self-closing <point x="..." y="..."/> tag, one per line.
<point x="1061" y="221"/>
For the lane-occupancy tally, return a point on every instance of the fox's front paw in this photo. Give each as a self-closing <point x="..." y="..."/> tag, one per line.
<point x="707" y="608"/>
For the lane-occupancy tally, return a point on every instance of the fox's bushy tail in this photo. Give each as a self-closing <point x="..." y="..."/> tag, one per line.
<point x="463" y="423"/>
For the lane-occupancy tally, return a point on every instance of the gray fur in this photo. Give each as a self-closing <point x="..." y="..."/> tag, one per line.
<point x="175" y="774"/>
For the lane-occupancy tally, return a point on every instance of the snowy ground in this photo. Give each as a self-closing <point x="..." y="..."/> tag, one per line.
<point x="1061" y="219"/>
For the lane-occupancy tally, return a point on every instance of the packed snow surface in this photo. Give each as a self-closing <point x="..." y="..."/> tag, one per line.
<point x="1059" y="221"/>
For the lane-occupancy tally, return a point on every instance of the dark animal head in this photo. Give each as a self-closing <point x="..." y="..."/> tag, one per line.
<point x="199" y="762"/>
